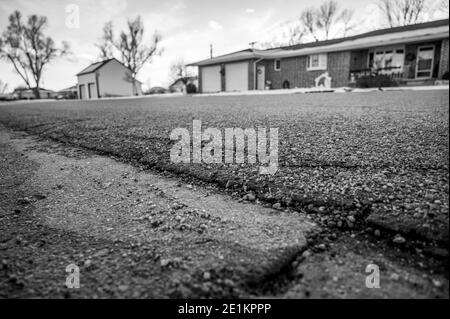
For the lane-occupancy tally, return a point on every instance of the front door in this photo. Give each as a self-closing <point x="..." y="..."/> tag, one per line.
<point x="92" y="91"/>
<point x="82" y="92"/>
<point x="261" y="78"/>
<point x="425" y="62"/>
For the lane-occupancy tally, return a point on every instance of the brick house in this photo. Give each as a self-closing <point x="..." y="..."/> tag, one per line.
<point x="414" y="54"/>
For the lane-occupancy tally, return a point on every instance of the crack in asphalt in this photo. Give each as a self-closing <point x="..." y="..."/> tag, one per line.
<point x="244" y="242"/>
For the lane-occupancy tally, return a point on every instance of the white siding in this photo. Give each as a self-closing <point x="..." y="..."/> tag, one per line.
<point x="113" y="80"/>
<point x="211" y="79"/>
<point x="85" y="80"/>
<point x="236" y="77"/>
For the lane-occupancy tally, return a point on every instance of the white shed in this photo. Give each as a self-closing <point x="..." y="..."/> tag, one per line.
<point x="108" y="78"/>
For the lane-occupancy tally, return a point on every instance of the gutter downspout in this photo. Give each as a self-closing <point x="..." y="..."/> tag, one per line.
<point x="96" y="84"/>
<point x="254" y="72"/>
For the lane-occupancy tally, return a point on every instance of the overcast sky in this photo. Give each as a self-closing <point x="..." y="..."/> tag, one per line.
<point x="187" y="26"/>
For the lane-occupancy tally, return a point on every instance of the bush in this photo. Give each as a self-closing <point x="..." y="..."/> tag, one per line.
<point x="376" y="81"/>
<point x="191" y="88"/>
<point x="445" y="76"/>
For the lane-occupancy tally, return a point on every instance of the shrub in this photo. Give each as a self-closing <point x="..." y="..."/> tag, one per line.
<point x="376" y="81"/>
<point x="191" y="88"/>
<point x="445" y="76"/>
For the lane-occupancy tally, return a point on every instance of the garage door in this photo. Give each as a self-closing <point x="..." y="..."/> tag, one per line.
<point x="236" y="77"/>
<point x="211" y="79"/>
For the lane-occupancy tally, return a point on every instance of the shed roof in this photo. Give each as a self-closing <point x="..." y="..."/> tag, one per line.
<point x="97" y="65"/>
<point x="94" y="67"/>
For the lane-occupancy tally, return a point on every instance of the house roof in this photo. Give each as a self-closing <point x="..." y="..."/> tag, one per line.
<point x="30" y="90"/>
<point x="97" y="65"/>
<point x="189" y="78"/>
<point x="20" y="89"/>
<point x="387" y="31"/>
<point x="69" y="89"/>
<point x="416" y="32"/>
<point x="94" y="67"/>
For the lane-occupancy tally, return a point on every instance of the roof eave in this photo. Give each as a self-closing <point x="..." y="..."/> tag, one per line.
<point x="84" y="73"/>
<point x="429" y="34"/>
<point x="352" y="46"/>
<point x="362" y="43"/>
<point x="224" y="60"/>
<point x="100" y="65"/>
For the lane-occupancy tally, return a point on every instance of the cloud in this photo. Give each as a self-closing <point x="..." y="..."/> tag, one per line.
<point x="163" y="22"/>
<point x="372" y="18"/>
<point x="113" y="7"/>
<point x="180" y="5"/>
<point x="215" y="25"/>
<point x="188" y="29"/>
<point x="255" y="27"/>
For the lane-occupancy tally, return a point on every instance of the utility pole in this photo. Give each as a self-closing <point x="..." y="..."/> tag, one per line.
<point x="211" y="51"/>
<point x="252" y="44"/>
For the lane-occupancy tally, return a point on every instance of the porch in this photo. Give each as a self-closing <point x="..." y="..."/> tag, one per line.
<point x="408" y="64"/>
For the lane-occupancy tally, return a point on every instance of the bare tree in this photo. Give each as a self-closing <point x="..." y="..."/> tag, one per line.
<point x="105" y="46"/>
<point x="3" y="87"/>
<point x="402" y="12"/>
<point x="134" y="54"/>
<point x="444" y="7"/>
<point x="326" y="16"/>
<point x="295" y="34"/>
<point x="292" y="33"/>
<point x="308" y="19"/>
<point x="346" y="17"/>
<point x="286" y="34"/>
<point x="179" y="71"/>
<point x="270" y="44"/>
<point x="315" y="22"/>
<point x="28" y="49"/>
<point x="321" y="21"/>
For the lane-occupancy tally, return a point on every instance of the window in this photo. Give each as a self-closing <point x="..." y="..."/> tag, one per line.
<point x="371" y="59"/>
<point x="277" y="65"/>
<point x="317" y="62"/>
<point x="388" y="55"/>
<point x="387" y="60"/>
